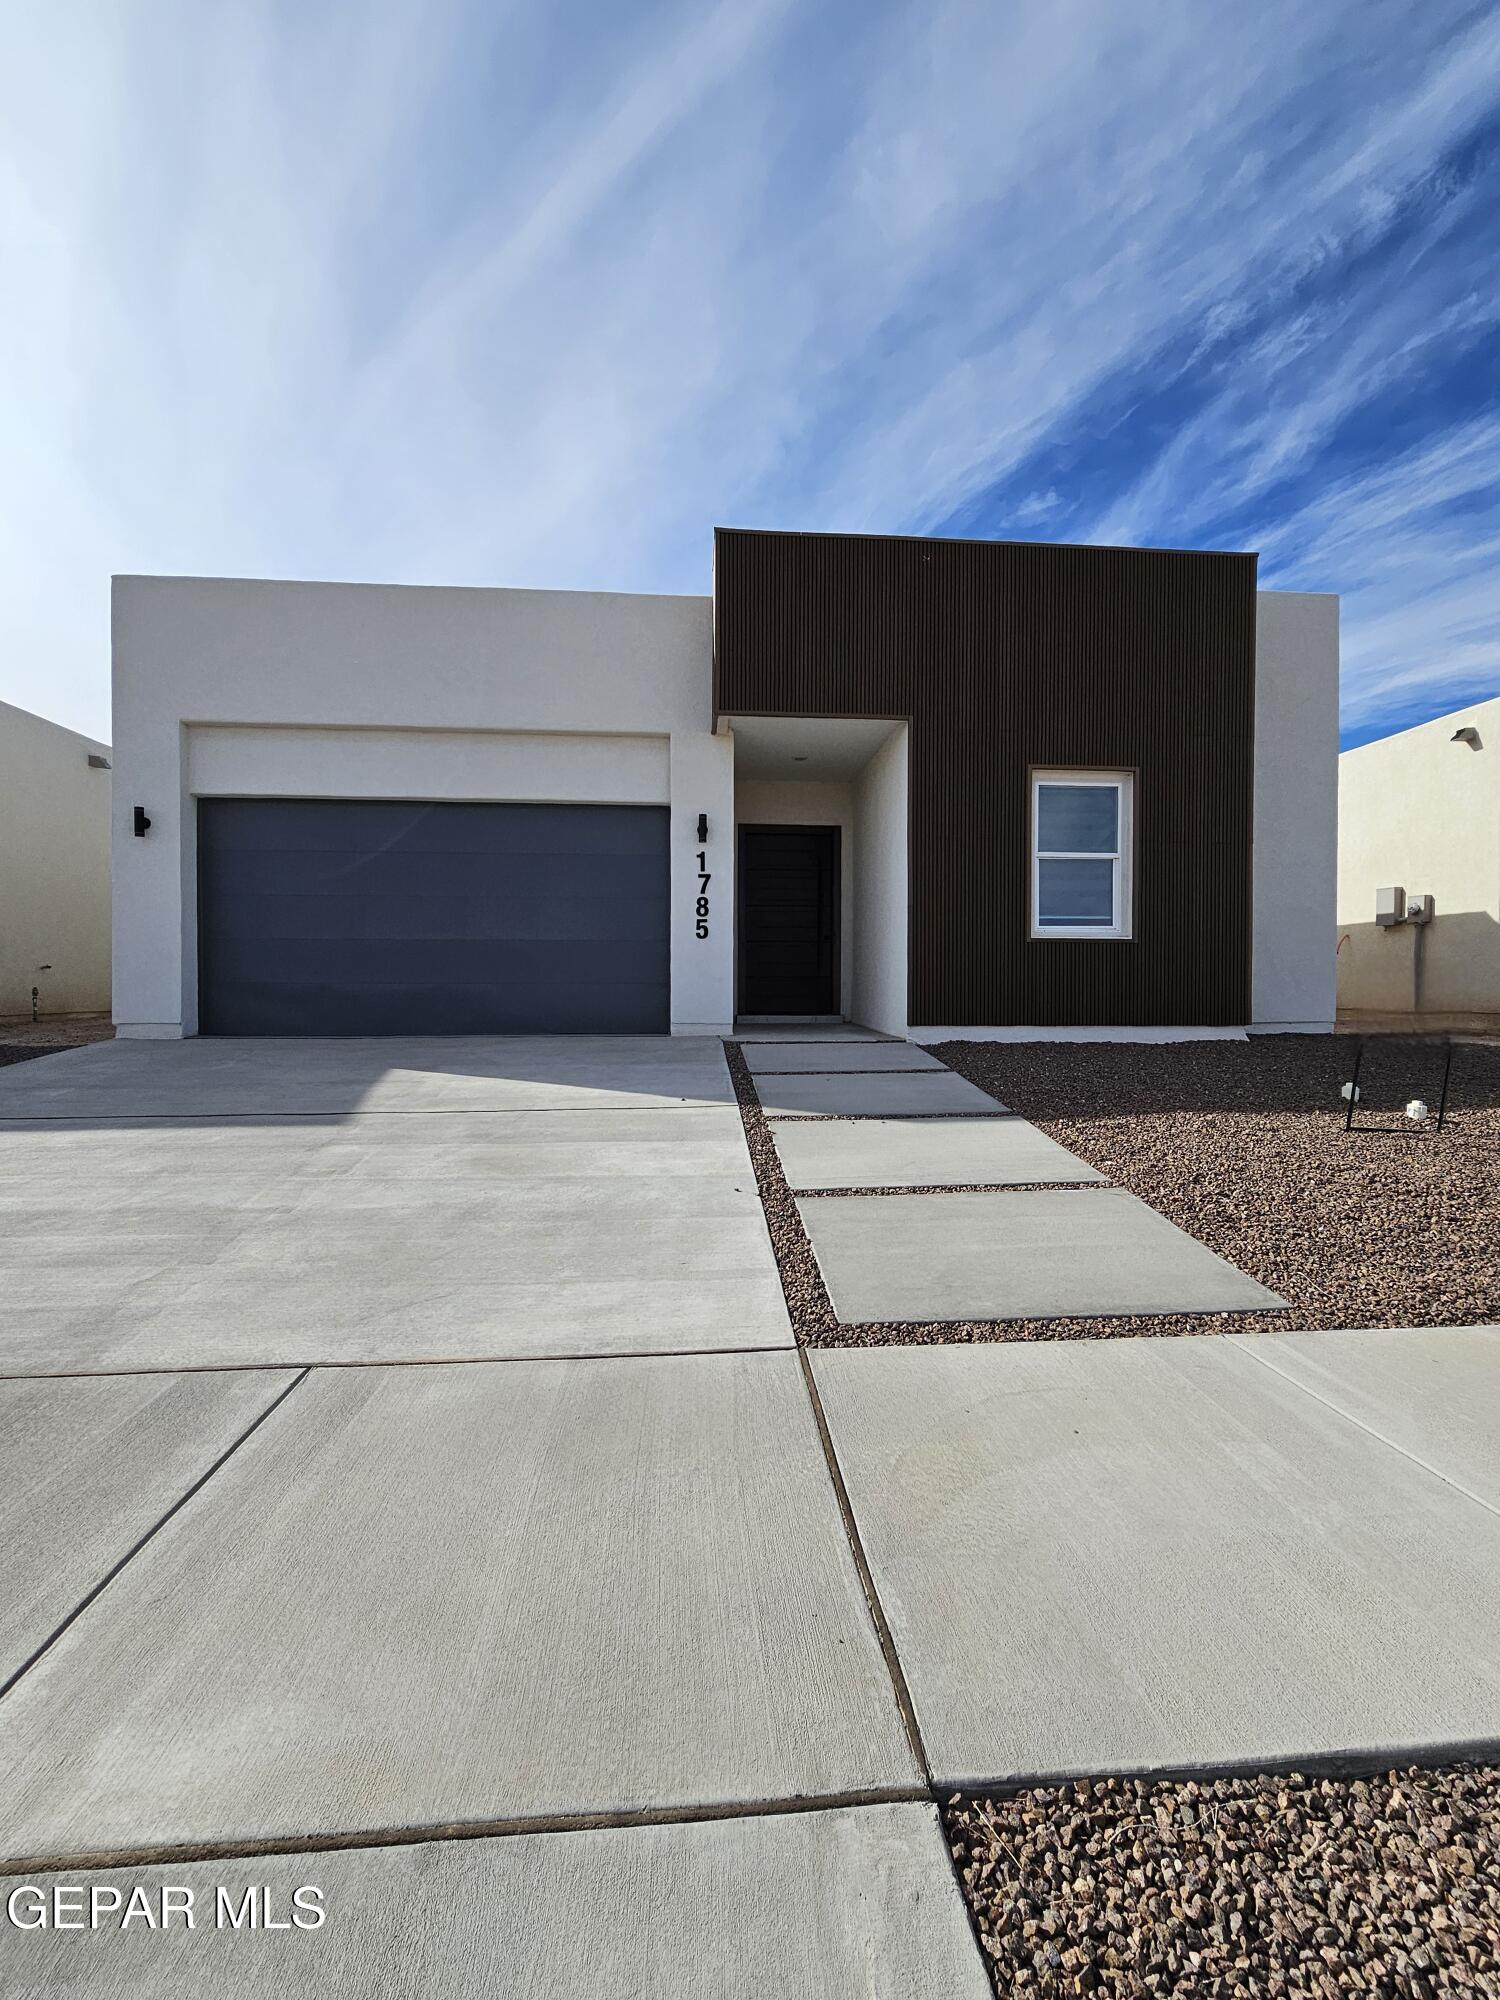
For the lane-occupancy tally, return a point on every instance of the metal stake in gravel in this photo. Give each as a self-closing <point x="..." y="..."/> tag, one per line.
<point x="1352" y="1096"/>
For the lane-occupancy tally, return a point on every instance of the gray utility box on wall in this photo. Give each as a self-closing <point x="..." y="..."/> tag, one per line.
<point x="1394" y="906"/>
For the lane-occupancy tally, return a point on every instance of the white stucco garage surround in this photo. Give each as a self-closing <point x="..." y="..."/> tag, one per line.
<point x="310" y="690"/>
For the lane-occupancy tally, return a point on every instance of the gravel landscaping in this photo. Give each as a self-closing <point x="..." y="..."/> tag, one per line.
<point x="1242" y="1144"/>
<point x="14" y="1052"/>
<point x="1263" y="1886"/>
<point x="47" y="1037"/>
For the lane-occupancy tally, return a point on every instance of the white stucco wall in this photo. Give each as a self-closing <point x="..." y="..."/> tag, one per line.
<point x="248" y="761"/>
<point x="795" y="802"/>
<point x="880" y="889"/>
<point x="1296" y="810"/>
<point x="391" y="691"/>
<point x="54" y="868"/>
<point x="702" y="968"/>
<point x="1421" y="812"/>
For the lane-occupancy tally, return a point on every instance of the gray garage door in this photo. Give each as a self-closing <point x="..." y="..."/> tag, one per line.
<point x="379" y="917"/>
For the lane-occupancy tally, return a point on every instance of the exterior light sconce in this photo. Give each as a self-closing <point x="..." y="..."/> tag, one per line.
<point x="140" y="822"/>
<point x="96" y="762"/>
<point x="1468" y="734"/>
<point x="702" y="828"/>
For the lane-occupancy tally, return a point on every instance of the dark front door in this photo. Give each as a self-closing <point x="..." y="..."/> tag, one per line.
<point x="387" y="917"/>
<point x="789" y="920"/>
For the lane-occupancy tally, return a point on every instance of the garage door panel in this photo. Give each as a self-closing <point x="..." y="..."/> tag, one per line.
<point x="359" y="827"/>
<point x="611" y="918"/>
<point x="449" y="1008"/>
<point x="347" y="917"/>
<point x="372" y="962"/>
<point x="285" y="872"/>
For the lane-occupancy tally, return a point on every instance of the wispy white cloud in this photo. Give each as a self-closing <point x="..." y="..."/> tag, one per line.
<point x="1415" y="545"/>
<point x="440" y="290"/>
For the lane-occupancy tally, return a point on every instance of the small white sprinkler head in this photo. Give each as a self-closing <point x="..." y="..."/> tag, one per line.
<point x="1350" y="1092"/>
<point x="1416" y="1111"/>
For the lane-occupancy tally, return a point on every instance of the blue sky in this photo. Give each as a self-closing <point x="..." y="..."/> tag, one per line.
<point x="427" y="291"/>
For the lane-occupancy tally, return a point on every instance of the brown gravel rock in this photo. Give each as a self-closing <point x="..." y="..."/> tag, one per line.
<point x="1225" y="1887"/>
<point x="53" y="1033"/>
<point x="14" y="1052"/>
<point x="1242" y="1144"/>
<point x="806" y="1299"/>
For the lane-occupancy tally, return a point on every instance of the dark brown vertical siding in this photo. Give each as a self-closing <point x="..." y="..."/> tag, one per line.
<point x="1005" y="656"/>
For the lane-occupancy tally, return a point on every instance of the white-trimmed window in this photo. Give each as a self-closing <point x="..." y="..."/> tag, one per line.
<point x="1080" y="853"/>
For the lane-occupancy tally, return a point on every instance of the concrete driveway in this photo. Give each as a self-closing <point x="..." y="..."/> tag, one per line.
<point x="225" y="1204"/>
<point x="270" y="1578"/>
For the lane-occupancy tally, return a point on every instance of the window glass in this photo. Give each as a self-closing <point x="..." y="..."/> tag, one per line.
<point x="1075" y="892"/>
<point x="1078" y="819"/>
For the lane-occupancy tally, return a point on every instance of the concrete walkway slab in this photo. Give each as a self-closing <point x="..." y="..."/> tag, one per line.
<point x="1104" y="1556"/>
<point x="89" y="1466"/>
<point x="921" y="1152"/>
<point x="221" y="1077"/>
<point x="797" y="1058"/>
<point x="849" y="1905"/>
<point x="810" y="1031"/>
<point x="419" y="1597"/>
<point x="925" y="1094"/>
<point x="1042" y="1255"/>
<point x="1432" y="1391"/>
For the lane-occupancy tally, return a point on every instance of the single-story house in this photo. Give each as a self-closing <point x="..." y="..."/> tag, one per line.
<point x="54" y="869"/>
<point x="934" y="786"/>
<point x="1419" y="876"/>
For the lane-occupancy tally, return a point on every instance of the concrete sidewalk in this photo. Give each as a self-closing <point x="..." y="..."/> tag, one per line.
<point x="1133" y="1555"/>
<point x="427" y="1597"/>
<point x="485" y="1598"/>
<point x="847" y="1905"/>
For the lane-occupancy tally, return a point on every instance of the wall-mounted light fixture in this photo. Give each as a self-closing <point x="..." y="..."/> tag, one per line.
<point x="96" y="762"/>
<point x="140" y="822"/>
<point x="702" y="828"/>
<point x="1468" y="734"/>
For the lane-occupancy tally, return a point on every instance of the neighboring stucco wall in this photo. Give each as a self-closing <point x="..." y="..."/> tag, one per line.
<point x="1421" y="812"/>
<point x="1295" y="853"/>
<point x="794" y="802"/>
<point x="413" y="692"/>
<point x="880" y="889"/>
<point x="54" y="868"/>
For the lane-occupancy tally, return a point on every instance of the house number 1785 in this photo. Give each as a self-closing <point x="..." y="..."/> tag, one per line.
<point x="704" y="878"/>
